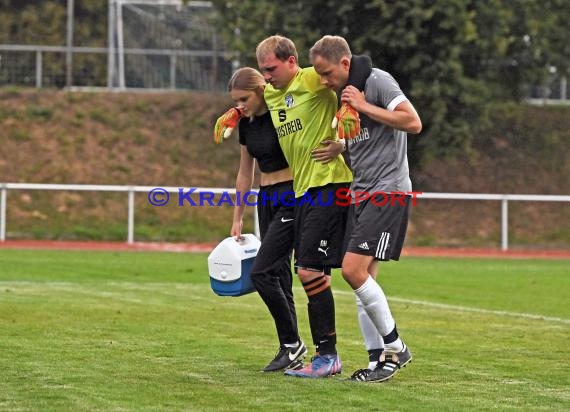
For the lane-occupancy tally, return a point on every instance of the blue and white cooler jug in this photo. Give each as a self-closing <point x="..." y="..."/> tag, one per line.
<point x="230" y="265"/>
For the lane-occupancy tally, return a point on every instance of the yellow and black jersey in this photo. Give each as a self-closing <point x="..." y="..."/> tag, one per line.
<point x="302" y="114"/>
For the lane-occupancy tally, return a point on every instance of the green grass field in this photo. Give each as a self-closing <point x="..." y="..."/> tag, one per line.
<point x="144" y="332"/>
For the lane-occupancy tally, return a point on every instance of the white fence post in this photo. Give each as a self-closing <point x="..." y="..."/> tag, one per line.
<point x="69" y="44"/>
<point x="3" y="198"/>
<point x="120" y="44"/>
<point x="111" y="69"/>
<point x="504" y="224"/>
<point x="131" y="223"/>
<point x="172" y="77"/>
<point x="39" y="72"/>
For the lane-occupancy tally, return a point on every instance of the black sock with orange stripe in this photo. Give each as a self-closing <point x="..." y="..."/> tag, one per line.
<point x="321" y="314"/>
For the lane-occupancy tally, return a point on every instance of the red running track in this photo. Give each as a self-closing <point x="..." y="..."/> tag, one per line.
<point x="207" y="247"/>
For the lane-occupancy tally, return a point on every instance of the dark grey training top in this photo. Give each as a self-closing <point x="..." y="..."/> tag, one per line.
<point x="378" y="156"/>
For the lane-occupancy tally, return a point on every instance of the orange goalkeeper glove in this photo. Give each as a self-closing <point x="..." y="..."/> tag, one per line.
<point x="225" y="124"/>
<point x="346" y="122"/>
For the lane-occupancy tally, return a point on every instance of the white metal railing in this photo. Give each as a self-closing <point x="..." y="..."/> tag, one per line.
<point x="131" y="190"/>
<point x="171" y="54"/>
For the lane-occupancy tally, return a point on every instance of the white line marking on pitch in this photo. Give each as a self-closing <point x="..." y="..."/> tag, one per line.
<point x="468" y="309"/>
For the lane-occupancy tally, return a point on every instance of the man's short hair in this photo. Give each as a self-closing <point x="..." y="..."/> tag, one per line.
<point x="281" y="46"/>
<point x="332" y="48"/>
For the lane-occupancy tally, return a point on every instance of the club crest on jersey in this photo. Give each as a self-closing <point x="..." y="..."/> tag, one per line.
<point x="289" y="101"/>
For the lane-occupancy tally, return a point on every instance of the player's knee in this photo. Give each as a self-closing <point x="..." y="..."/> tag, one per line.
<point x="307" y="274"/>
<point x="351" y="275"/>
<point x="348" y="271"/>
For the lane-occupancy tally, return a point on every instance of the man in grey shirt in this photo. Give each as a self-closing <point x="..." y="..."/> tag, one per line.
<point x="380" y="196"/>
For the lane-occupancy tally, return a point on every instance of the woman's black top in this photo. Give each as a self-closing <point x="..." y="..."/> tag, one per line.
<point x="260" y="138"/>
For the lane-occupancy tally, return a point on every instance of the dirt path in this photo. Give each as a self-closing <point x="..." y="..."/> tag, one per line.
<point x="207" y="247"/>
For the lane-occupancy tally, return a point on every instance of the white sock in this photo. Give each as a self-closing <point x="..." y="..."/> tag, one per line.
<point x="292" y="345"/>
<point x="372" y="339"/>
<point x="396" y="346"/>
<point x="376" y="306"/>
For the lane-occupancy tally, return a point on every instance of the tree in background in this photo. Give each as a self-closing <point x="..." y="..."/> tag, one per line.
<point x="44" y="22"/>
<point x="452" y="57"/>
<point x="549" y="28"/>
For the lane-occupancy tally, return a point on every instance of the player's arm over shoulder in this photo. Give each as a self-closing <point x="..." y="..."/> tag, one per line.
<point x="407" y="118"/>
<point x="387" y="104"/>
